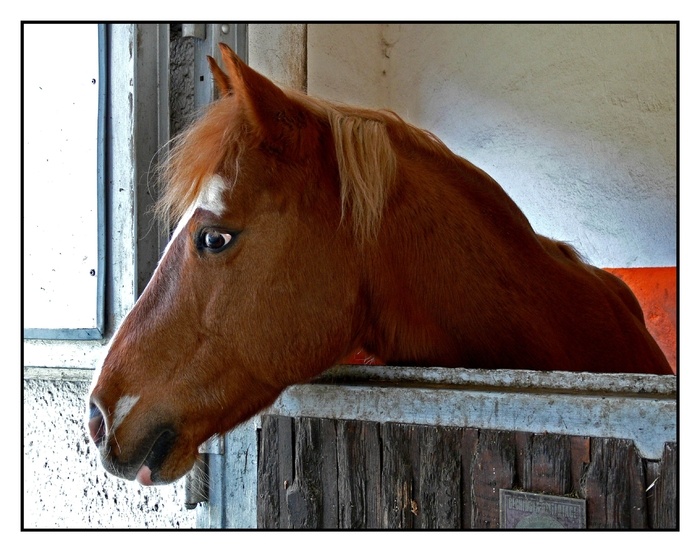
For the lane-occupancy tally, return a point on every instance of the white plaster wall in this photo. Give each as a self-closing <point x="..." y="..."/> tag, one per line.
<point x="346" y="63"/>
<point x="279" y="52"/>
<point x="577" y="122"/>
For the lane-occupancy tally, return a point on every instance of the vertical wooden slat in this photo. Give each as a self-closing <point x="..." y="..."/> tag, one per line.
<point x="546" y="465"/>
<point x="439" y="501"/>
<point x="662" y="490"/>
<point x="359" y="475"/>
<point x="594" y="487"/>
<point x="317" y="473"/>
<point x="652" y="469"/>
<point x="268" y="475"/>
<point x="275" y="471"/>
<point x="493" y="468"/>
<point x="312" y="498"/>
<point x="614" y="486"/>
<point x="522" y="447"/>
<point x="631" y="473"/>
<point x="468" y="443"/>
<point x="399" y="507"/>
<point x="580" y="459"/>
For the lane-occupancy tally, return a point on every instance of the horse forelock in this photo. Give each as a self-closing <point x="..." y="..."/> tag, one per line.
<point x="195" y="158"/>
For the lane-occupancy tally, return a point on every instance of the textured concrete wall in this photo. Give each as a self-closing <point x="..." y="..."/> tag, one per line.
<point x="279" y="52"/>
<point x="64" y="483"/>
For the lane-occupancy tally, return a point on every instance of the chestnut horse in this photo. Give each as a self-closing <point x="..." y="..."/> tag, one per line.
<point x="308" y="230"/>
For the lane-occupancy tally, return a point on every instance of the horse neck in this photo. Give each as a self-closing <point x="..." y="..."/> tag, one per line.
<point x="457" y="277"/>
<point x="440" y="250"/>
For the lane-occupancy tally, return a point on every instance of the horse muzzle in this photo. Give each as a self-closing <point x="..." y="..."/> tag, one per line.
<point x="143" y="462"/>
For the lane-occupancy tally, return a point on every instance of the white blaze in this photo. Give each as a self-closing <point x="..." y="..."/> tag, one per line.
<point x="123" y="407"/>
<point x="211" y="196"/>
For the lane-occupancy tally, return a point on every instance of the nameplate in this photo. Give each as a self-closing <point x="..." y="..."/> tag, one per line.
<point x="520" y="510"/>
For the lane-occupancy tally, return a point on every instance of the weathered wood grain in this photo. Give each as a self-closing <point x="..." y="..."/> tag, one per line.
<point x="662" y="488"/>
<point x="467" y="453"/>
<point x="614" y="486"/>
<point x="275" y="471"/>
<point x="312" y="498"/>
<point x="546" y="464"/>
<point x="359" y="475"/>
<point x="439" y="504"/>
<point x="399" y="483"/>
<point x="493" y="468"/>
<point x="324" y="473"/>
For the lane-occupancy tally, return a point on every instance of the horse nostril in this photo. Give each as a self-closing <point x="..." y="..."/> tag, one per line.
<point x="96" y="424"/>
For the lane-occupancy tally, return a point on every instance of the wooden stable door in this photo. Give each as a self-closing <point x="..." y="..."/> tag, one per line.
<point x="324" y="473"/>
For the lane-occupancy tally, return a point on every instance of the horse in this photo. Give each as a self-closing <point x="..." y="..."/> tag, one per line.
<point x="306" y="230"/>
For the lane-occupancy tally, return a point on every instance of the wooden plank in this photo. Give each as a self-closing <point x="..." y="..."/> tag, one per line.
<point x="499" y="403"/>
<point x="522" y="446"/>
<point x="613" y="486"/>
<point x="359" y="475"/>
<point x="580" y="459"/>
<point x="493" y="468"/>
<point x="399" y="449"/>
<point x="546" y="465"/>
<point x="467" y="453"/>
<point x="662" y="490"/>
<point x="439" y="499"/>
<point x="312" y="498"/>
<point x="321" y="473"/>
<point x="275" y="471"/>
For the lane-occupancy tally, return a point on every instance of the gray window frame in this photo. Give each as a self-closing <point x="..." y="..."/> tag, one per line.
<point x="96" y="332"/>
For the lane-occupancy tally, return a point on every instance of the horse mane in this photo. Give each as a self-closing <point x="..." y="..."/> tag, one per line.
<point x="365" y="144"/>
<point x="559" y="249"/>
<point x="365" y="147"/>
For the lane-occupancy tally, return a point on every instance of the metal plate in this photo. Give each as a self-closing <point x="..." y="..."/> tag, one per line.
<point x="520" y="510"/>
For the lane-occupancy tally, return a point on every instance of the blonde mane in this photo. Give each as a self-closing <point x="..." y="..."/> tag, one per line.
<point x="364" y="142"/>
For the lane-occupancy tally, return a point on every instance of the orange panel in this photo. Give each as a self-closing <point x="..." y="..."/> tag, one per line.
<point x="655" y="289"/>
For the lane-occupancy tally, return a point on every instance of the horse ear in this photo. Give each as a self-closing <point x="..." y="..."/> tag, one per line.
<point x="277" y="117"/>
<point x="222" y="81"/>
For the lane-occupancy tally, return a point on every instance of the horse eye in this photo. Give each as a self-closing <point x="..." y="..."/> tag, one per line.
<point x="214" y="240"/>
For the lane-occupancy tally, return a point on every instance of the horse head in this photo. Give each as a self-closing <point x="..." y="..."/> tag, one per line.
<point x="260" y="259"/>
